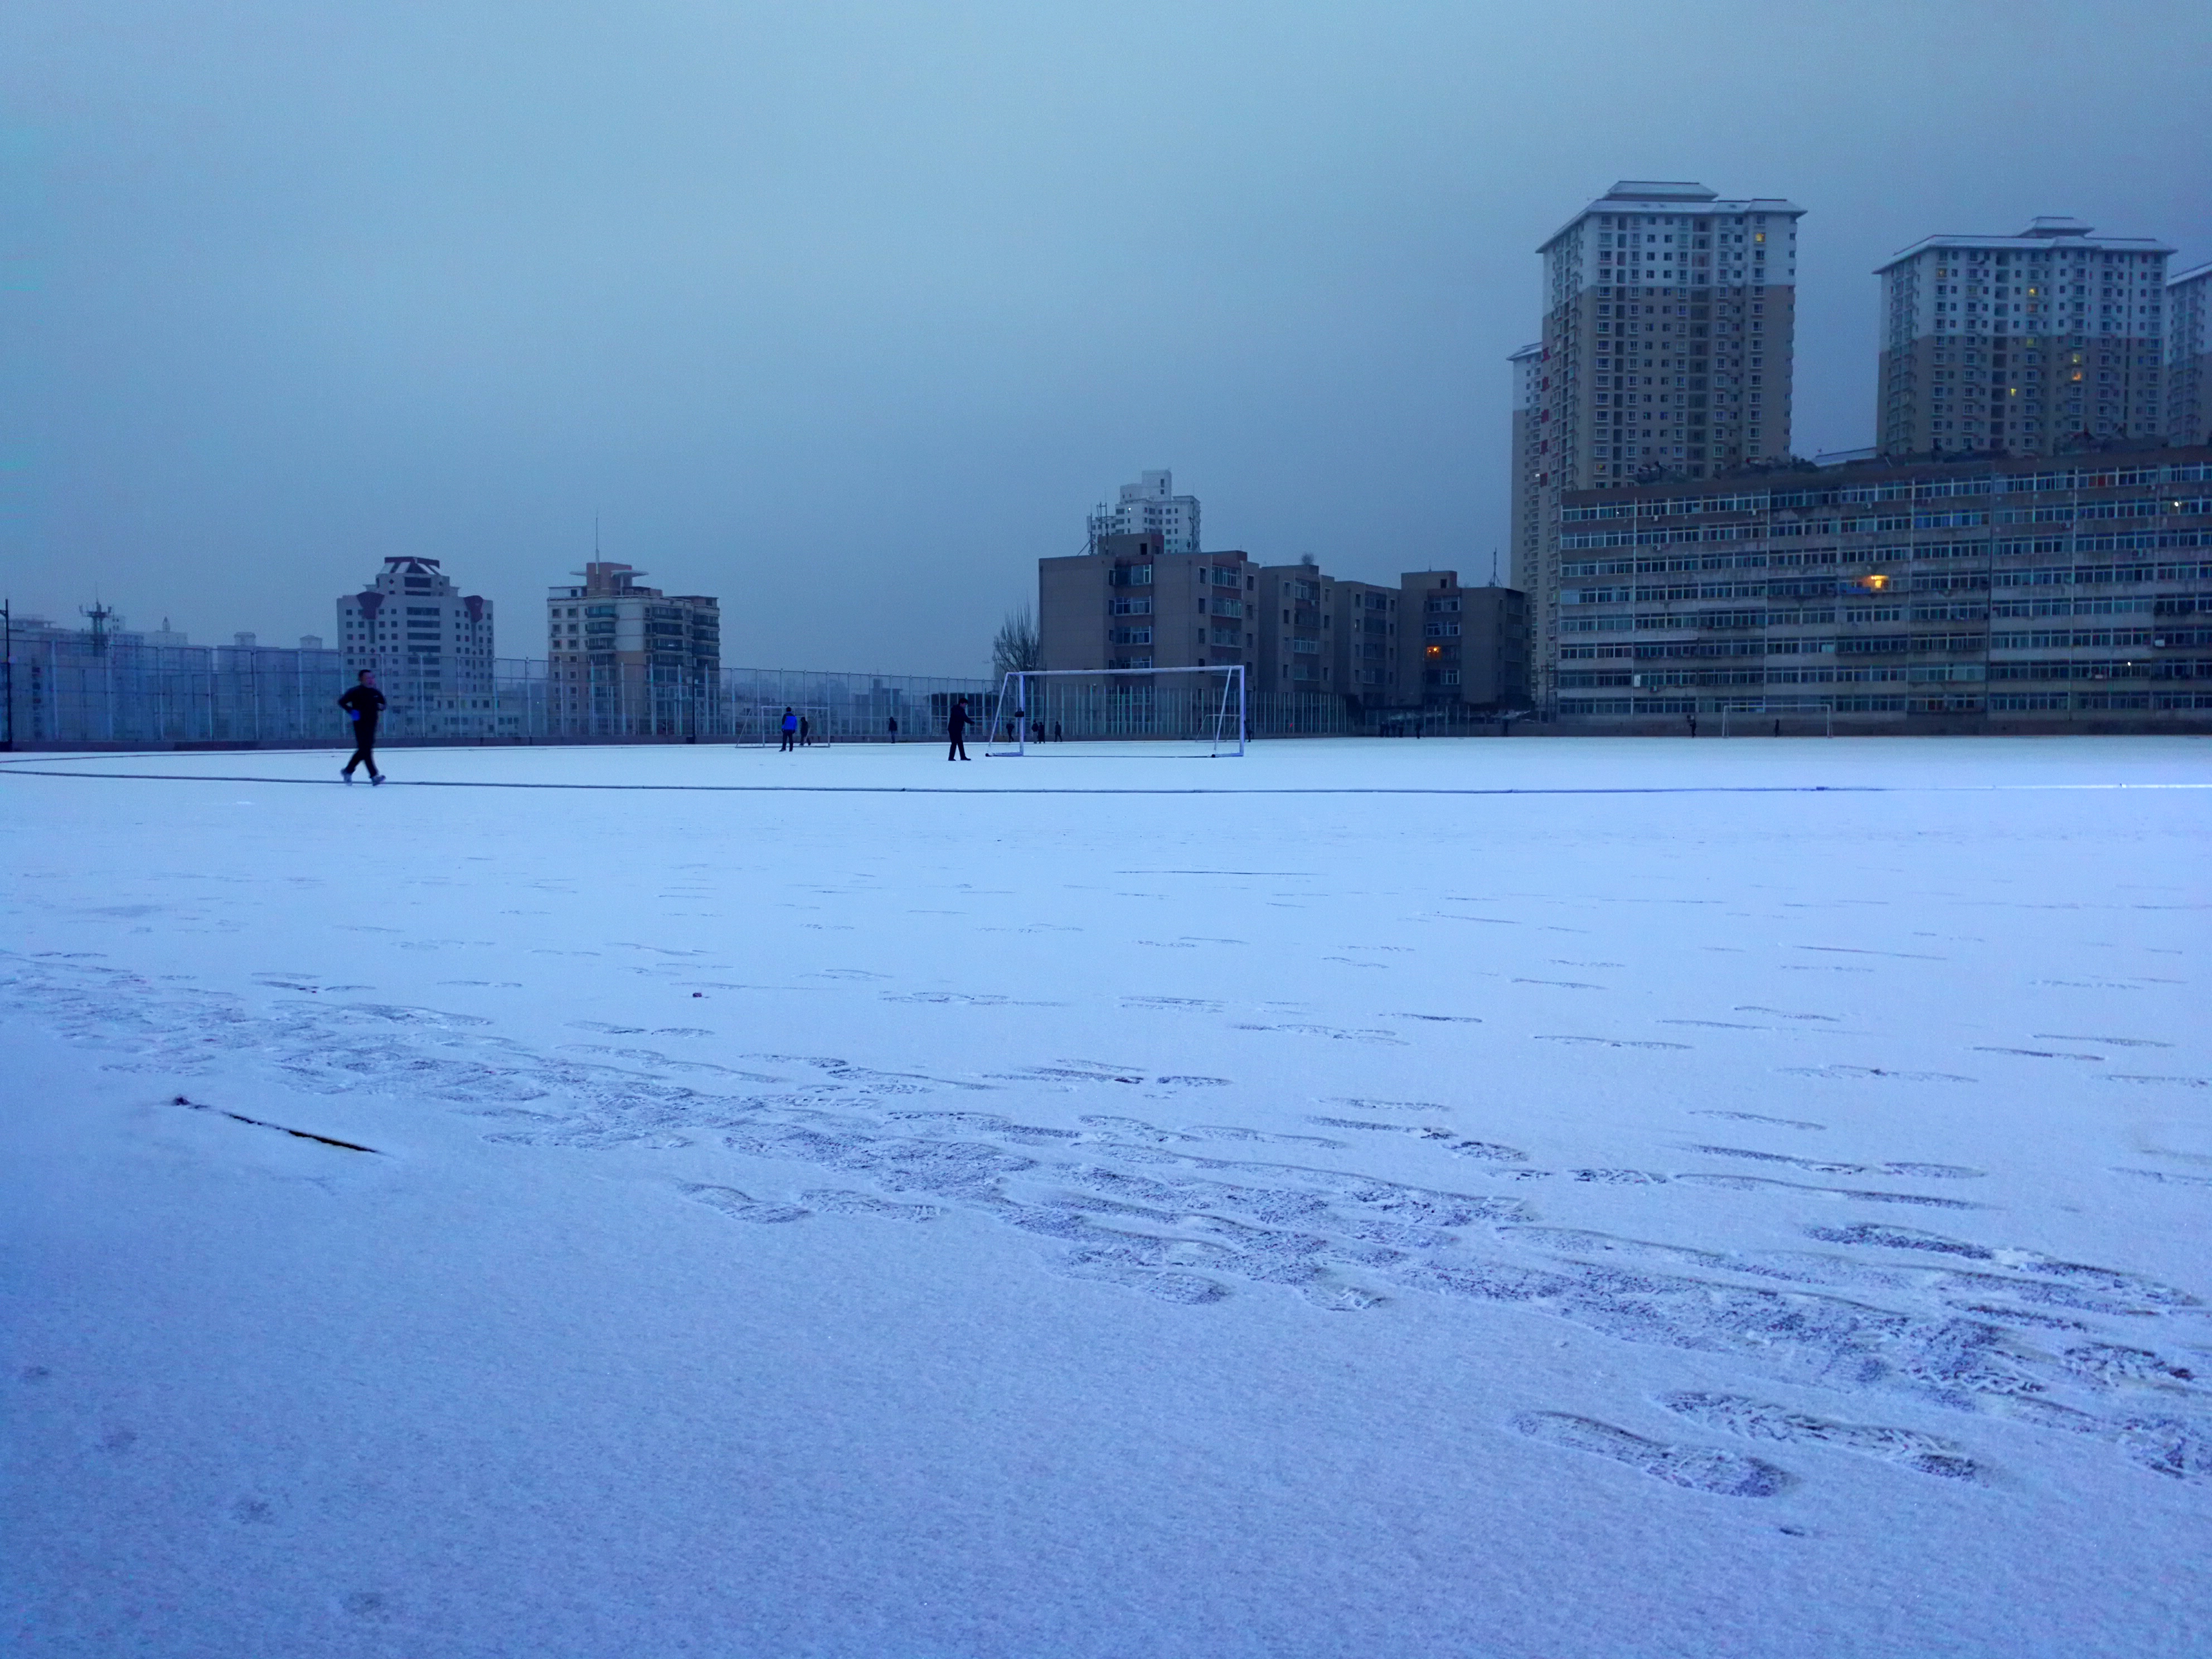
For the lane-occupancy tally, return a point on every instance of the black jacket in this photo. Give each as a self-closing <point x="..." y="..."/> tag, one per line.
<point x="956" y="722"/>
<point x="364" y="703"/>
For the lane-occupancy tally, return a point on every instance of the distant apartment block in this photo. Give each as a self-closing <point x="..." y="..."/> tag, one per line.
<point x="612" y="641"/>
<point x="1134" y="604"/>
<point x="422" y="636"/>
<point x="2188" y="356"/>
<point x="1669" y="323"/>
<point x="2022" y="344"/>
<point x="2017" y="588"/>
<point x="1149" y="507"/>
<point x="1427" y="643"/>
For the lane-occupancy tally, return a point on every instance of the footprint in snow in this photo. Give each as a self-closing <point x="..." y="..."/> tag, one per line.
<point x="1698" y="1468"/>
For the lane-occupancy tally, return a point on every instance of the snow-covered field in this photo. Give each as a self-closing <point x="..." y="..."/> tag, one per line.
<point x="1334" y="1207"/>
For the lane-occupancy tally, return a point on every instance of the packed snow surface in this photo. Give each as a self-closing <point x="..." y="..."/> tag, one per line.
<point x="1534" y="1198"/>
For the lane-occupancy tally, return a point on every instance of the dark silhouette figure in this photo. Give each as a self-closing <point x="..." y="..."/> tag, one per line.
<point x="957" y="724"/>
<point x="790" y="732"/>
<point x="1693" y="720"/>
<point x="363" y="704"/>
<point x="804" y="728"/>
<point x="892" y="726"/>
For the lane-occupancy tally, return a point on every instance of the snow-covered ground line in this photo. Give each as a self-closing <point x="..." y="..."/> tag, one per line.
<point x="1766" y="1217"/>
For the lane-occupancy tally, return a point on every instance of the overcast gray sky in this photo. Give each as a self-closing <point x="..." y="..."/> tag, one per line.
<point x="847" y="311"/>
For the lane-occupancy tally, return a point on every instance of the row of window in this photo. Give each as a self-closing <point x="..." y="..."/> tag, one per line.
<point x="2065" y="478"/>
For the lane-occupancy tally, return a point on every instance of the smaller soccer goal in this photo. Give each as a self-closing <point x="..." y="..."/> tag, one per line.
<point x="1147" y="713"/>
<point x="760" y="724"/>
<point x="1774" y="717"/>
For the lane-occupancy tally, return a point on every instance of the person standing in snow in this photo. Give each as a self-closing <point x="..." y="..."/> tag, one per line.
<point x="363" y="703"/>
<point x="957" y="724"/>
<point x="790" y="731"/>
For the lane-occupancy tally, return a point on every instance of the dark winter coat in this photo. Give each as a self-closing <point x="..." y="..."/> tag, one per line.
<point x="364" y="703"/>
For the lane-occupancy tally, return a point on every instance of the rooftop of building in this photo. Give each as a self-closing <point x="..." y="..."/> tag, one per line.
<point x="2119" y="461"/>
<point x="1671" y="196"/>
<point x="2194" y="274"/>
<point x="2042" y="236"/>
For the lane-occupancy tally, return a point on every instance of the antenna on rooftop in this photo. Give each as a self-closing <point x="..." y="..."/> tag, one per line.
<point x="101" y="616"/>
<point x="1493" y="567"/>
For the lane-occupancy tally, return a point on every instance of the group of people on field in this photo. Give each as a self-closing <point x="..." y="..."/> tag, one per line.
<point x="364" y="705"/>
<point x="957" y="723"/>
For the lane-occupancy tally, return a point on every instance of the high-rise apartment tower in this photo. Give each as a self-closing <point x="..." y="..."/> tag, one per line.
<point x="1670" y="320"/>
<point x="424" y="638"/>
<point x="615" y="647"/>
<point x="1149" y="507"/>
<point x="2022" y="344"/>
<point x="2189" y="357"/>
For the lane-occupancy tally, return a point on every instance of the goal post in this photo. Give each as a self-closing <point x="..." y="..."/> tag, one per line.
<point x="1200" y="711"/>
<point x="1749" y="715"/>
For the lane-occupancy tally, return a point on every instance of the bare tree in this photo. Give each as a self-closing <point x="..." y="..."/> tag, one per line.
<point x="1015" y="647"/>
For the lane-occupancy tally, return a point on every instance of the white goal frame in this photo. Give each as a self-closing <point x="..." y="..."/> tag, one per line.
<point x="1768" y="710"/>
<point x="1226" y="740"/>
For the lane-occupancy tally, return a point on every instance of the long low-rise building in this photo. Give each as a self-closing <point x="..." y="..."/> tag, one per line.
<point x="2020" y="590"/>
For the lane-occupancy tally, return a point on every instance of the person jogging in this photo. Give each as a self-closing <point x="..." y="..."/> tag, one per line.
<point x="790" y="731"/>
<point x="957" y="724"/>
<point x="363" y="702"/>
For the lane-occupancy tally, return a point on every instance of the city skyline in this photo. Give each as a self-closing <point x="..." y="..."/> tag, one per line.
<point x="817" y="341"/>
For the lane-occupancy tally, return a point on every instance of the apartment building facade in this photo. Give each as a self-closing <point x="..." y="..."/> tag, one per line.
<point x="2022" y="345"/>
<point x="422" y="635"/>
<point x="1149" y="507"/>
<point x="628" y="652"/>
<point x="1526" y="531"/>
<point x="1133" y="603"/>
<point x="1668" y="351"/>
<point x="2188" y="356"/>
<point x="1294" y="625"/>
<point x="1464" y="645"/>
<point x="1365" y="634"/>
<point x="2015" y="588"/>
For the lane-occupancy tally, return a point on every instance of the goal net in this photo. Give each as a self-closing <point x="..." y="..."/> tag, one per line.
<point x="1149" y="712"/>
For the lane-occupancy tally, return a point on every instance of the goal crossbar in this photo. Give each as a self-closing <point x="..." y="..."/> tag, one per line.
<point x="1220" y="722"/>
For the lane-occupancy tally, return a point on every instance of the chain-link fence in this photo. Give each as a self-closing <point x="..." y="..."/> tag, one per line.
<point x="74" y="688"/>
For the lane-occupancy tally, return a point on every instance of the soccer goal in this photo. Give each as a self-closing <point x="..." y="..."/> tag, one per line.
<point x="760" y="724"/>
<point x="1770" y="717"/>
<point x="1198" y="713"/>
